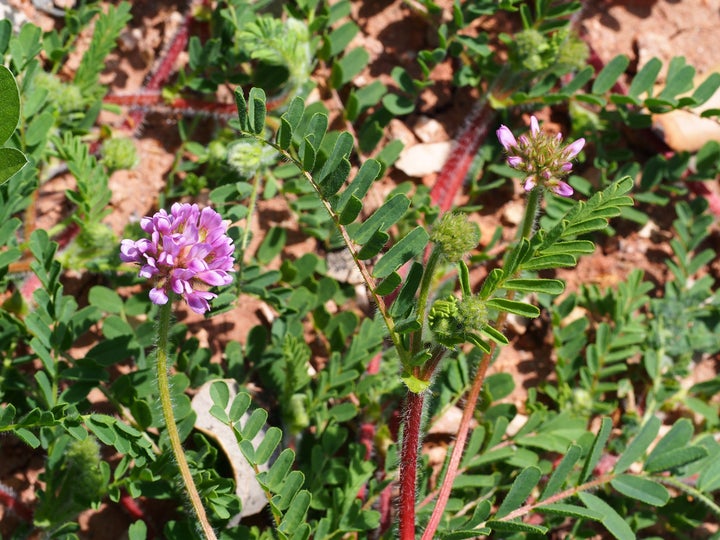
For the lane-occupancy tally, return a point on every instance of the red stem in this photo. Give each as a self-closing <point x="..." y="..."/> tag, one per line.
<point x="459" y="447"/>
<point x="9" y="500"/>
<point x="408" y="463"/>
<point x="456" y="168"/>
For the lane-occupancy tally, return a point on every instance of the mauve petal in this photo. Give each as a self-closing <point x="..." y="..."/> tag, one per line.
<point x="534" y="126"/>
<point x="214" y="277"/>
<point x="573" y="149"/>
<point x="198" y="301"/>
<point x="506" y="138"/>
<point x="563" y="189"/>
<point x="129" y="251"/>
<point x="158" y="296"/>
<point x="529" y="184"/>
<point x="515" y="161"/>
<point x="566" y="167"/>
<point x="148" y="270"/>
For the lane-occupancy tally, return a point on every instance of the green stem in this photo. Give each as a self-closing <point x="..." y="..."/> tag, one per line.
<point x="170" y="424"/>
<point x="245" y="240"/>
<point x="531" y="210"/>
<point x="423" y="297"/>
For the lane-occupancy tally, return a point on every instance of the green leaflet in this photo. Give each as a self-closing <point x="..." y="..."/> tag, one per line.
<point x="515" y="307"/>
<point x="405" y="249"/>
<point x="11" y="159"/>
<point x="610" y="74"/>
<point x="612" y="521"/>
<point x="638" y="445"/>
<point x="369" y="172"/>
<point x="519" y="492"/>
<point x="9" y="104"/>
<point x="642" y="489"/>
<point x="547" y="286"/>
<point x="644" y="80"/>
<point x="382" y="219"/>
<point x="569" y="510"/>
<point x="561" y="472"/>
<point x="597" y="449"/>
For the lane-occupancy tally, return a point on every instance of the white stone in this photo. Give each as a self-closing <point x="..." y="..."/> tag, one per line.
<point x="424" y="158"/>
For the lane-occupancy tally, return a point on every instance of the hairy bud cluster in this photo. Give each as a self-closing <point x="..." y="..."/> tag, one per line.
<point x="542" y="157"/>
<point x="453" y="321"/>
<point x="455" y="235"/>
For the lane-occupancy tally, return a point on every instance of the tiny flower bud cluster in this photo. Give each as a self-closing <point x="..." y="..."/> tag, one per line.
<point x="188" y="250"/>
<point x="455" y="235"/>
<point x="541" y="156"/>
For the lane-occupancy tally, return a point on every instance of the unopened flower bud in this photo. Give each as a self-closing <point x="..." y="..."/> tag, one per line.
<point x="119" y="153"/>
<point x="455" y="235"/>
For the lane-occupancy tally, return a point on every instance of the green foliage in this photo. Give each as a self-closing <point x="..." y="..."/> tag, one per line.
<point x="324" y="373"/>
<point x="11" y="159"/>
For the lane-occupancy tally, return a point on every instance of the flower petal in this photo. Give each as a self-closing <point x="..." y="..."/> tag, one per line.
<point x="534" y="126"/>
<point x="506" y="138"/>
<point x="515" y="161"/>
<point x="574" y="148"/>
<point x="563" y="189"/>
<point x="158" y="296"/>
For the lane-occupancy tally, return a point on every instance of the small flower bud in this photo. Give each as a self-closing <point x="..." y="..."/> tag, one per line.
<point x="506" y="138"/>
<point x="119" y="153"/>
<point x="472" y="313"/>
<point x="455" y="235"/>
<point x="248" y="156"/>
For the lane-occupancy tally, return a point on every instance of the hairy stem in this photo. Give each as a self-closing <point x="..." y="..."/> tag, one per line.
<point x="423" y="297"/>
<point x="459" y="447"/>
<point x="533" y="203"/>
<point x="171" y="426"/>
<point x="408" y="462"/>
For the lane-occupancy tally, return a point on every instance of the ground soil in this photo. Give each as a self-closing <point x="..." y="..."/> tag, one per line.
<point x="392" y="33"/>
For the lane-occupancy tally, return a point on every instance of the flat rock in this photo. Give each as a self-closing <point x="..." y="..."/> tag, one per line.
<point x="424" y="158"/>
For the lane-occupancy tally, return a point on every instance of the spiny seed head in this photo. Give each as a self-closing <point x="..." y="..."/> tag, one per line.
<point x="455" y="235"/>
<point x="541" y="156"/>
<point x="453" y="321"/>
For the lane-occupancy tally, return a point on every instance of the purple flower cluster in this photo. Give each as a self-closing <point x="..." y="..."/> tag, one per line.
<point x="541" y="156"/>
<point x="188" y="250"/>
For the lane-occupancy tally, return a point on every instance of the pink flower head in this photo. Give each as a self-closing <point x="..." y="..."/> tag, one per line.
<point x="541" y="157"/>
<point x="188" y="251"/>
